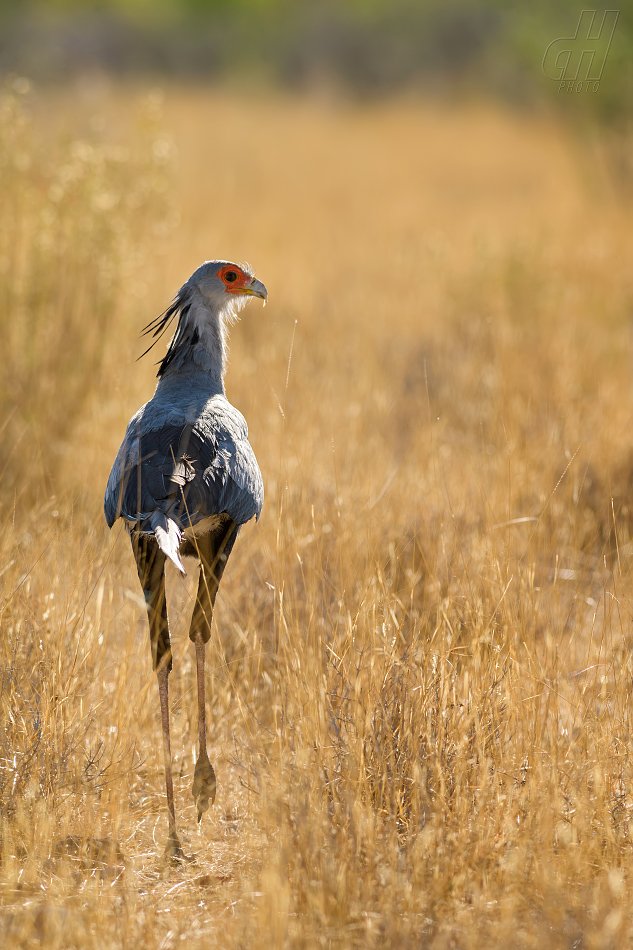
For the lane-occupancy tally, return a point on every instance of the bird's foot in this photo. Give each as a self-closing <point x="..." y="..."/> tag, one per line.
<point x="204" y="784"/>
<point x="173" y="853"/>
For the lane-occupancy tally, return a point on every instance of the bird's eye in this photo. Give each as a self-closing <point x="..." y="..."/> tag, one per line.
<point x="231" y="276"/>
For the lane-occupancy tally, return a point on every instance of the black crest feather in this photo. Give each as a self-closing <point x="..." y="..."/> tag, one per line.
<point x="183" y="338"/>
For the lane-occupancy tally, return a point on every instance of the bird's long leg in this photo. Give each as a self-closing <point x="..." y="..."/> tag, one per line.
<point x="150" y="563"/>
<point x="214" y="550"/>
<point x="173" y="848"/>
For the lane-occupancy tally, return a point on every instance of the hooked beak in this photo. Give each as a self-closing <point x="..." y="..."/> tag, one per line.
<point x="255" y="289"/>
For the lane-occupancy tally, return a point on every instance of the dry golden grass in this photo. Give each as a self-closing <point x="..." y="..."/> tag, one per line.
<point x="421" y="664"/>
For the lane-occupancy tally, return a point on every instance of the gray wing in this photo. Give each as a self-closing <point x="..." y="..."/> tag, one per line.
<point x="187" y="470"/>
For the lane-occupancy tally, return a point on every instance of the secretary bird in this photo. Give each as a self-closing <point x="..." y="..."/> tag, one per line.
<point x="184" y="481"/>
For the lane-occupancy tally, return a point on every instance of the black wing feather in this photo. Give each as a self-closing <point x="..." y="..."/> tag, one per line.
<point x="178" y="471"/>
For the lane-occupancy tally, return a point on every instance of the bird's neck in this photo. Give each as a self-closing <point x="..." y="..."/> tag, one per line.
<point x="205" y="346"/>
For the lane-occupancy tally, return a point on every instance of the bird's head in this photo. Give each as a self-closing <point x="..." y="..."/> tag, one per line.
<point x="226" y="287"/>
<point x="212" y="297"/>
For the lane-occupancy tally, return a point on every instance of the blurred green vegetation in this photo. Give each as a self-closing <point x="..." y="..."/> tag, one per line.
<point x="365" y="47"/>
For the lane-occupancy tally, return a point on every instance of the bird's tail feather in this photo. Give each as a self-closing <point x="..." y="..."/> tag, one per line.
<point x="167" y="534"/>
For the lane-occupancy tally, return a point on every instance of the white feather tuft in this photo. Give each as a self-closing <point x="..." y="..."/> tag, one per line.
<point x="231" y="311"/>
<point x="167" y="534"/>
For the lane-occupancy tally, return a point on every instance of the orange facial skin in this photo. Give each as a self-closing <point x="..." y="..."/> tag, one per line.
<point x="241" y="282"/>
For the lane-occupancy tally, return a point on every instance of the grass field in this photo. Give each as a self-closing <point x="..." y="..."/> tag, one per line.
<point x="420" y="675"/>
